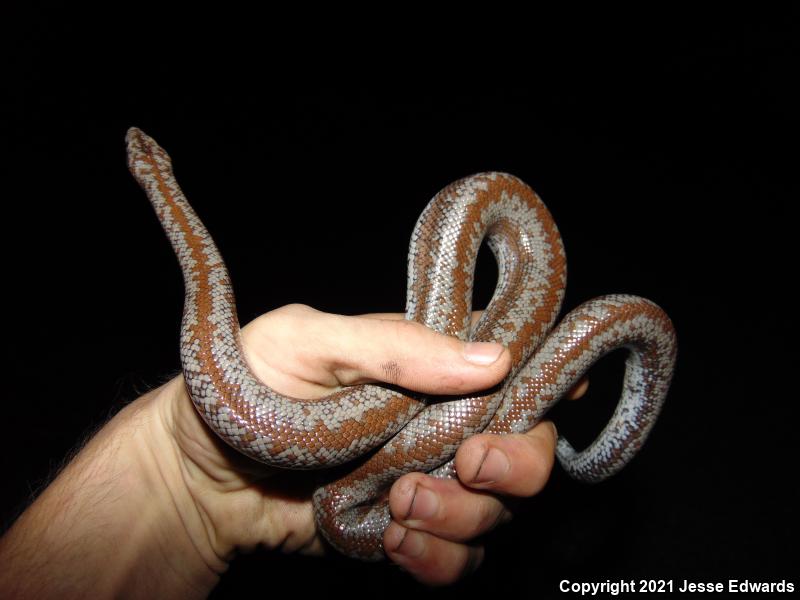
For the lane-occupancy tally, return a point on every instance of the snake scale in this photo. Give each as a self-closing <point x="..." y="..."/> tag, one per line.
<point x="403" y="432"/>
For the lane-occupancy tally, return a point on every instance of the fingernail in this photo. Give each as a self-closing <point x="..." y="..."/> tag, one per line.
<point x="482" y="353"/>
<point x="555" y="430"/>
<point x="424" y="505"/>
<point x="493" y="467"/>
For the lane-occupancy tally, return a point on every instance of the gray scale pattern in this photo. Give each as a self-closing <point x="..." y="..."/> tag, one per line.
<point x="411" y="435"/>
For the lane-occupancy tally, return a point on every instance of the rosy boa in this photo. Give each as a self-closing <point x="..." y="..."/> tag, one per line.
<point x="412" y="435"/>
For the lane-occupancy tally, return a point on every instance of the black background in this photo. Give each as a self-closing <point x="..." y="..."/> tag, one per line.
<point x="666" y="152"/>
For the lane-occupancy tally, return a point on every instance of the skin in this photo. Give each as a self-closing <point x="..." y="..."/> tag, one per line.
<point x="92" y="532"/>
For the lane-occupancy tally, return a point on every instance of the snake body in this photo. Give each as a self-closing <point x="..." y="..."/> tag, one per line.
<point x="410" y="434"/>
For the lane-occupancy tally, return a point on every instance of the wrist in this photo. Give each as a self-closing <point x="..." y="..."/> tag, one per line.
<point x="164" y="532"/>
<point x="115" y="521"/>
<point x="188" y="539"/>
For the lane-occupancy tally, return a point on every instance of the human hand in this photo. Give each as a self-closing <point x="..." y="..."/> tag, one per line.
<point x="306" y="353"/>
<point x="175" y="504"/>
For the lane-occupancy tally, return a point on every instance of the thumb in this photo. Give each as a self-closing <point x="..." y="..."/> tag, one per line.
<point x="412" y="356"/>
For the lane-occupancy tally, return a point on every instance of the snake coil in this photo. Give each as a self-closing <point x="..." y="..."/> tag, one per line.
<point x="411" y="435"/>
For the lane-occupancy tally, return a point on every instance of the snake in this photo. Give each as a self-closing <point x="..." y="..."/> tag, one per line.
<point x="392" y="431"/>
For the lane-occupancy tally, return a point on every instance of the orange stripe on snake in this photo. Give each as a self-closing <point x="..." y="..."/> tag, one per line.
<point x="412" y="435"/>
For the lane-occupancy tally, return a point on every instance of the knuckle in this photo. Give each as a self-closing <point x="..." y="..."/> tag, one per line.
<point x="288" y="317"/>
<point x="295" y="310"/>
<point x="402" y="329"/>
<point x="391" y="371"/>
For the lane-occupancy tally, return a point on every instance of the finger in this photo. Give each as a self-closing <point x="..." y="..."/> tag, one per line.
<point x="304" y="351"/>
<point x="578" y="390"/>
<point x="444" y="507"/>
<point x="412" y="356"/>
<point x="515" y="464"/>
<point x="429" y="559"/>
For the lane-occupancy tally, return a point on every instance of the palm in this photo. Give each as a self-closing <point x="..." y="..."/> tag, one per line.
<point x="265" y="505"/>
